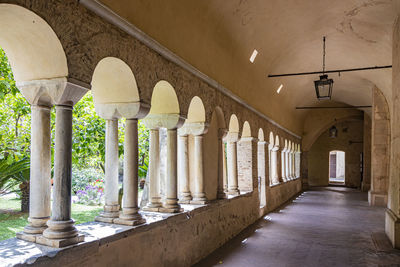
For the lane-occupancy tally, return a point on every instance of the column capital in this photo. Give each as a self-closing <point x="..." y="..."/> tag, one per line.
<point x="232" y="137"/>
<point x="193" y="128"/>
<point x="222" y="132"/>
<point x="275" y="148"/>
<point x="133" y="110"/>
<point x="50" y="92"/>
<point x="169" y="121"/>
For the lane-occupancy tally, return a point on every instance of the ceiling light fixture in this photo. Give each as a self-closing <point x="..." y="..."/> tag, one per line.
<point x="279" y="89"/>
<point x="253" y="56"/>
<point x="323" y="86"/>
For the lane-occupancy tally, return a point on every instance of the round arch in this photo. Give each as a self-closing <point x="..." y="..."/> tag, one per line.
<point x="32" y="47"/>
<point x="196" y="112"/>
<point x="114" y="82"/>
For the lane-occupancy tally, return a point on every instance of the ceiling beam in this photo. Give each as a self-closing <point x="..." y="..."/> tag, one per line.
<point x="350" y="107"/>
<point x="328" y="71"/>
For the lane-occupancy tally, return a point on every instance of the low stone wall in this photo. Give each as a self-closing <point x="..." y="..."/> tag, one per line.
<point x="281" y="193"/>
<point x="167" y="240"/>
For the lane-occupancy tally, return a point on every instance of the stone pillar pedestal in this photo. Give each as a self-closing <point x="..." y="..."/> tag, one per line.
<point x="111" y="207"/>
<point x="130" y="214"/>
<point x="221" y="165"/>
<point x="199" y="196"/>
<point x="154" y="161"/>
<point x="233" y="188"/>
<point x="40" y="173"/>
<point x="183" y="162"/>
<point x="170" y="204"/>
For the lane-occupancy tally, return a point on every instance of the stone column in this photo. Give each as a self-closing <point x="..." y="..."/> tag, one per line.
<point x="170" y="204"/>
<point x="232" y="167"/>
<point x="199" y="197"/>
<point x="40" y="173"/>
<point x="154" y="161"/>
<point x="392" y="218"/>
<point x="111" y="207"/>
<point x="221" y="165"/>
<point x="275" y="165"/>
<point x="61" y="231"/>
<point x="130" y="214"/>
<point x="183" y="169"/>
<point x="284" y="164"/>
<point x="290" y="163"/>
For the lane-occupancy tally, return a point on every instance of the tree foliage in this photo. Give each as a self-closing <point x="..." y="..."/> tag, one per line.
<point x="88" y="144"/>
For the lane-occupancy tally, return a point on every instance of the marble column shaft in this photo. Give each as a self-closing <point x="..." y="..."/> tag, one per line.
<point x="61" y="226"/>
<point x="171" y="201"/>
<point x="111" y="207"/>
<point x="154" y="163"/>
<point x="232" y="168"/>
<point x="199" y="195"/>
<point x="185" y="195"/>
<point x="130" y="214"/>
<point x="40" y="173"/>
<point x="221" y="165"/>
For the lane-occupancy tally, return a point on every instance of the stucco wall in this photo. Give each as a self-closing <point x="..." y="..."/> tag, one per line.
<point x="318" y="156"/>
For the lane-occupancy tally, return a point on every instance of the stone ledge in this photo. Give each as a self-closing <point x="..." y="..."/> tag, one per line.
<point x="15" y="251"/>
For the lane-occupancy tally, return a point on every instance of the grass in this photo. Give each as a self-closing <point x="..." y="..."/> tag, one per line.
<point x="13" y="221"/>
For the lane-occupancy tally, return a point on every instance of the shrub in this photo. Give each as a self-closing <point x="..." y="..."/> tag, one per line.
<point x="92" y="194"/>
<point x="84" y="177"/>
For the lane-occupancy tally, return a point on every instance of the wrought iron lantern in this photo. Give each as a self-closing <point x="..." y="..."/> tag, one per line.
<point x="333" y="132"/>
<point x="323" y="86"/>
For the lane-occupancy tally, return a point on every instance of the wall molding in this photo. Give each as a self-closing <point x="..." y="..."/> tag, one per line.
<point x="112" y="17"/>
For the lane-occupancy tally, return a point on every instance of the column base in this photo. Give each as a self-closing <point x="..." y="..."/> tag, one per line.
<point x="199" y="199"/>
<point x="110" y="213"/>
<point x="130" y="220"/>
<point x="234" y="192"/>
<point x="377" y="199"/>
<point x="36" y="225"/>
<point x="185" y="199"/>
<point x="392" y="228"/>
<point x="221" y="195"/>
<point x="170" y="210"/>
<point x="60" y="243"/>
<point x="27" y="237"/>
<point x="155" y="209"/>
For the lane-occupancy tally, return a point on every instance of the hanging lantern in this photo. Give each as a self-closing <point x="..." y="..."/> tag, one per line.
<point x="333" y="132"/>
<point x="323" y="86"/>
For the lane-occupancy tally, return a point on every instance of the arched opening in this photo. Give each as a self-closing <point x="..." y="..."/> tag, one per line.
<point x="231" y="155"/>
<point x="116" y="100"/>
<point x="337" y="167"/>
<point x="244" y="154"/>
<point x="196" y="183"/>
<point x="163" y="121"/>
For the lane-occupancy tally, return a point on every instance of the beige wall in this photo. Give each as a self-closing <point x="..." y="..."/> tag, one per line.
<point x="318" y="156"/>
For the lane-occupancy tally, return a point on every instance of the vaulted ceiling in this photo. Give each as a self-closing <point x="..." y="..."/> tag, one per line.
<point x="219" y="36"/>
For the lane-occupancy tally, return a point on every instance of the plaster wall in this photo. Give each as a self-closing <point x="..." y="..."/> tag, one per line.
<point x="318" y="156"/>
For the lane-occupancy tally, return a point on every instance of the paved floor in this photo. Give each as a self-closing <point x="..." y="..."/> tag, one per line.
<point x="331" y="226"/>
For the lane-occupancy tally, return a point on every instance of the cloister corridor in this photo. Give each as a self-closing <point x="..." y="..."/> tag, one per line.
<point x="324" y="226"/>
